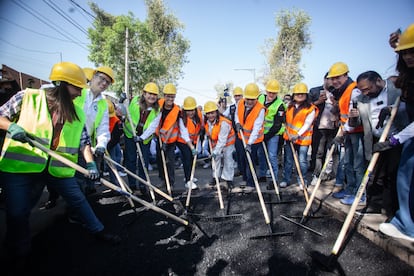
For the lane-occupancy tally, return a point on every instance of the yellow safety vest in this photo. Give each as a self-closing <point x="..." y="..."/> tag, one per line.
<point x="17" y="157"/>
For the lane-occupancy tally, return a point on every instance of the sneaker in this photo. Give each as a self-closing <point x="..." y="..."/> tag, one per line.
<point x="206" y="165"/>
<point x="341" y="194"/>
<point x="193" y="185"/>
<point x="195" y="179"/>
<point x="283" y="184"/>
<point x="349" y="200"/>
<point x="237" y="190"/>
<point x="248" y="189"/>
<point x="389" y="229"/>
<point x="105" y="173"/>
<point x="314" y="180"/>
<point x="122" y="174"/>
<point x="150" y="168"/>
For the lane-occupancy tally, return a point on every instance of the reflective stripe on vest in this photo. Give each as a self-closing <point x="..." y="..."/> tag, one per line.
<point x="135" y="112"/>
<point x="295" y="121"/>
<point x="248" y="124"/>
<point x="34" y="117"/>
<point x="271" y="112"/>
<point x="215" y="131"/>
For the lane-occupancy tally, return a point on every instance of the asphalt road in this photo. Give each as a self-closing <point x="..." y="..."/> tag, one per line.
<point x="215" y="244"/>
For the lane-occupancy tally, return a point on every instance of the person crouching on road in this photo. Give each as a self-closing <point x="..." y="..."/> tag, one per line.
<point x="52" y="119"/>
<point x="168" y="126"/>
<point x="143" y="109"/>
<point x="221" y="134"/>
<point x="300" y="116"/>
<point x="249" y="125"/>
<point x="193" y="121"/>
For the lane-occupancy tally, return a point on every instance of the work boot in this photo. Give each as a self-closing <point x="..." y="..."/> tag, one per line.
<point x="107" y="237"/>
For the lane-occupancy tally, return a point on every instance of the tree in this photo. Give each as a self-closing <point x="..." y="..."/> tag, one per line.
<point x="156" y="48"/>
<point x="284" y="54"/>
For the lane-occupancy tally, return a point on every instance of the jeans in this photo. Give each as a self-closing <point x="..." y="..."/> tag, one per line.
<point x="253" y="157"/>
<point x="130" y="160"/>
<point x="116" y="155"/>
<point x="404" y="218"/>
<point x="23" y="191"/>
<point x="303" y="162"/>
<point x="326" y="136"/>
<point x="340" y="171"/>
<point x="272" y="149"/>
<point x="354" y="161"/>
<point x="186" y="158"/>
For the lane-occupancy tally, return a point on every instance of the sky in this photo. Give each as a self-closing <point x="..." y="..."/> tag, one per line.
<point x="225" y="36"/>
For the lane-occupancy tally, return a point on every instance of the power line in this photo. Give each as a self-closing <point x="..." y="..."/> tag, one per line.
<point x="65" y="16"/>
<point x="36" y="32"/>
<point x="27" y="9"/>
<point x="82" y="9"/>
<point x="29" y="50"/>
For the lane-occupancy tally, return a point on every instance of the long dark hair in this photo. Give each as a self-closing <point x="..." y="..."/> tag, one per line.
<point x="196" y="118"/>
<point x="143" y="104"/>
<point x="405" y="79"/>
<point x="60" y="102"/>
<point x="305" y="103"/>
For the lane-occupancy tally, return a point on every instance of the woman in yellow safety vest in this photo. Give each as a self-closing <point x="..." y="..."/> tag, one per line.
<point x="300" y="116"/>
<point x="49" y="117"/>
<point x="143" y="109"/>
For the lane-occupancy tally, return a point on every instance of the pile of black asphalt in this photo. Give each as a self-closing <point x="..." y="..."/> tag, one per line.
<point x="235" y="240"/>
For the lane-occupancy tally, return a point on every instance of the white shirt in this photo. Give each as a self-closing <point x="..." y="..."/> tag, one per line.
<point x="376" y="104"/>
<point x="91" y="109"/>
<point x="222" y="136"/>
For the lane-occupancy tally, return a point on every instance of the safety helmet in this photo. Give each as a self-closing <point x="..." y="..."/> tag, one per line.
<point x="406" y="40"/>
<point x="151" y="87"/>
<point x="238" y="91"/>
<point x="273" y="86"/>
<point x="189" y="103"/>
<point x="337" y="69"/>
<point x="68" y="72"/>
<point x="111" y="108"/>
<point x="107" y="71"/>
<point x="300" y="88"/>
<point x="210" y="106"/>
<point x="251" y="91"/>
<point x="88" y="73"/>
<point x="169" y="88"/>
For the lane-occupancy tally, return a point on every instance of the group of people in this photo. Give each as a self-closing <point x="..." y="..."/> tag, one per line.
<point x="74" y="119"/>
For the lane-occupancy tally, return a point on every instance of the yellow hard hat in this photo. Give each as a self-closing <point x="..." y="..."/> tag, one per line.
<point x="68" y="72"/>
<point x="238" y="91"/>
<point x="337" y="69"/>
<point x="111" y="108"/>
<point x="169" y="88"/>
<point x="251" y="91"/>
<point x="210" y="106"/>
<point x="107" y="71"/>
<point x="273" y="86"/>
<point x="88" y="73"/>
<point x="189" y="103"/>
<point x="300" y="88"/>
<point x="406" y="40"/>
<point x="152" y="88"/>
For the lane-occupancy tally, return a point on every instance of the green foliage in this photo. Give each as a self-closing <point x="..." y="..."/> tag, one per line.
<point x="284" y="53"/>
<point x="156" y="48"/>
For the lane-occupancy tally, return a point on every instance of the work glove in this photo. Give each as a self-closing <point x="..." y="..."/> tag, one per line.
<point x="248" y="149"/>
<point x="338" y="140"/>
<point x="164" y="147"/>
<point x="17" y="133"/>
<point x="194" y="151"/>
<point x="294" y="138"/>
<point x="238" y="127"/>
<point x="93" y="170"/>
<point x="386" y="145"/>
<point x="99" y="152"/>
<point x="384" y="113"/>
<point x="138" y="139"/>
<point x="213" y="155"/>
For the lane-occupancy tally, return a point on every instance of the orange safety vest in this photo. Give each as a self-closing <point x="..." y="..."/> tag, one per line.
<point x="247" y="124"/>
<point x="112" y="122"/>
<point x="343" y="103"/>
<point x="215" y="130"/>
<point x="295" y="121"/>
<point x="169" y="130"/>
<point x="193" y="129"/>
